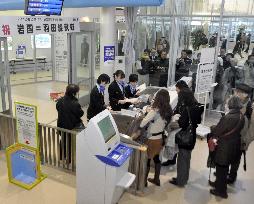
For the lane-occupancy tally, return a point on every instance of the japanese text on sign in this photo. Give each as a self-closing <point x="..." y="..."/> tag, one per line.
<point x="27" y="124"/>
<point x="204" y="77"/>
<point x="37" y="25"/>
<point x="109" y="53"/>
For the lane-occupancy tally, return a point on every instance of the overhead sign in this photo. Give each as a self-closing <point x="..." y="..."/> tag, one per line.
<point x="19" y="4"/>
<point x="44" y="7"/>
<point x="27" y="124"/>
<point x="109" y="53"/>
<point x="11" y="26"/>
<point x="204" y="79"/>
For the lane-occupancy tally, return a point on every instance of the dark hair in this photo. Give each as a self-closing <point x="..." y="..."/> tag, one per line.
<point x="133" y="78"/>
<point x="103" y="78"/>
<point x="119" y="73"/>
<point x="189" y="52"/>
<point x="181" y="84"/>
<point x="162" y="102"/>
<point x="234" y="102"/>
<point x="230" y="54"/>
<point x="72" y="90"/>
<point x="186" y="97"/>
<point x="184" y="51"/>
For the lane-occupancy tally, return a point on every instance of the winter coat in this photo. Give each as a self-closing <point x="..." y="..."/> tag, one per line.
<point x="228" y="147"/>
<point x="249" y="75"/>
<point x="69" y="113"/>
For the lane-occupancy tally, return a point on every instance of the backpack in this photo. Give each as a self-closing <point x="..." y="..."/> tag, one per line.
<point x="247" y="134"/>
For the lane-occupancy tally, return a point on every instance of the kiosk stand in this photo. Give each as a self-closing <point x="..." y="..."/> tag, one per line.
<point x="102" y="162"/>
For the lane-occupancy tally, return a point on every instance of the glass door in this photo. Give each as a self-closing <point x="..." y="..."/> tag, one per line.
<point x="84" y="62"/>
<point x="5" y="89"/>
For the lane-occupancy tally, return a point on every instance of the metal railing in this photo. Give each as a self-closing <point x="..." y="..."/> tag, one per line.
<point x="58" y="149"/>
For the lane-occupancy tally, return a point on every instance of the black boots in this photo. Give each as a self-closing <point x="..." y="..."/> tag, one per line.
<point x="156" y="179"/>
<point x="146" y="175"/>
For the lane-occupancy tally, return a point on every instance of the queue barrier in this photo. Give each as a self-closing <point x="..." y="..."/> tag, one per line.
<point x="56" y="143"/>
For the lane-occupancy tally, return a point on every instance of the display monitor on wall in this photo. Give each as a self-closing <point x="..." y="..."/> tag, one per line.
<point x="43" y="7"/>
<point x="107" y="129"/>
<point x="42" y="41"/>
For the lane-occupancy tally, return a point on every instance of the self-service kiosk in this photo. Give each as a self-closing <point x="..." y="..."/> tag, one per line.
<point x="102" y="162"/>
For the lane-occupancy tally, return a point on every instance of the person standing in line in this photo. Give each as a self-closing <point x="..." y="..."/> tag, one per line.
<point x="242" y="91"/>
<point x="248" y="40"/>
<point x="116" y="92"/>
<point x="69" y="117"/>
<point x="238" y="49"/>
<point x="158" y="116"/>
<point x="226" y="137"/>
<point x="243" y="41"/>
<point x="97" y="103"/>
<point x="249" y="74"/>
<point x="187" y="106"/>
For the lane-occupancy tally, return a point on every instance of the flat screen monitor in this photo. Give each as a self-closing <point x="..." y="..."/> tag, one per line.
<point x="43" y="7"/>
<point x="107" y="129"/>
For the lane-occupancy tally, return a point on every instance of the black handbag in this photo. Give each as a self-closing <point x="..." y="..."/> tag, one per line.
<point x="185" y="137"/>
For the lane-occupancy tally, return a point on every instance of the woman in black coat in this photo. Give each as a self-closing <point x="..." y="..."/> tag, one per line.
<point x="69" y="109"/>
<point x="69" y="117"/>
<point x="186" y="102"/>
<point x="116" y="92"/>
<point x="228" y="142"/>
<point x="97" y="103"/>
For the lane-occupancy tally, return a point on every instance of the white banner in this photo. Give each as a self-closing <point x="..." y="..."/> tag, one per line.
<point x="204" y="79"/>
<point x="30" y="25"/>
<point x="27" y="125"/>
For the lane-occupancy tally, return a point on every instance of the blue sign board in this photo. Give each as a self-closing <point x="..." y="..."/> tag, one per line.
<point x="109" y="53"/>
<point x="44" y="7"/>
<point x="19" y="4"/>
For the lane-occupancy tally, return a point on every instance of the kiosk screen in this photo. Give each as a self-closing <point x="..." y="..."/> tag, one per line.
<point x="107" y="128"/>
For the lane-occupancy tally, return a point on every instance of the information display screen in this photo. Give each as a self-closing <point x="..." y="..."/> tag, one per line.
<point x="107" y="128"/>
<point x="44" y="7"/>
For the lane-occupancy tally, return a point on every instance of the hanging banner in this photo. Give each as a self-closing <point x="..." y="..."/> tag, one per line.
<point x="204" y="79"/>
<point x="27" y="124"/>
<point x="30" y="25"/>
<point x="61" y="60"/>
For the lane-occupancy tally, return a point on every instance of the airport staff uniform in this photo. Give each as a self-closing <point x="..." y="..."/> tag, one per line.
<point x="116" y="92"/>
<point x="97" y="103"/>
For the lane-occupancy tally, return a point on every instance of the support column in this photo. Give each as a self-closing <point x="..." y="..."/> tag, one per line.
<point x="107" y="41"/>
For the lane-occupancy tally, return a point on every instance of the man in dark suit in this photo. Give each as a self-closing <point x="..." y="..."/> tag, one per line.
<point x="97" y="103"/>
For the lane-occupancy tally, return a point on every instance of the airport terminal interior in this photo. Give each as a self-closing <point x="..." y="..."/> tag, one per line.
<point x="206" y="44"/>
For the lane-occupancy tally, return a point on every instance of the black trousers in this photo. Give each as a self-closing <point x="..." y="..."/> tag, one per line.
<point x="234" y="167"/>
<point x="221" y="178"/>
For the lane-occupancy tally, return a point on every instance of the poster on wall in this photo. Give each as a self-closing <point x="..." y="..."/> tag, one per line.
<point x="61" y="60"/>
<point x="109" y="54"/>
<point x="32" y="25"/>
<point x="204" y="79"/>
<point x="27" y="124"/>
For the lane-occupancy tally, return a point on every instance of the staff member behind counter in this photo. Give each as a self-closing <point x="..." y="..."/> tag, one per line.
<point x="131" y="89"/>
<point x="116" y="90"/>
<point x="97" y="103"/>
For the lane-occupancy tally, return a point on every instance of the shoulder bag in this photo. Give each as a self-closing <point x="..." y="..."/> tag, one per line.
<point x="185" y="137"/>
